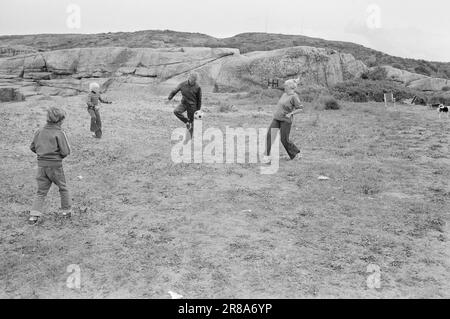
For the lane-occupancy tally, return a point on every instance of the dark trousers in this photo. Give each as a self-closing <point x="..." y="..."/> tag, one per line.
<point x="96" y="122"/>
<point x="46" y="176"/>
<point x="285" y="130"/>
<point x="179" y="113"/>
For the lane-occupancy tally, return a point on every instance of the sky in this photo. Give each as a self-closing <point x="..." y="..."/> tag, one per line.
<point x="414" y="29"/>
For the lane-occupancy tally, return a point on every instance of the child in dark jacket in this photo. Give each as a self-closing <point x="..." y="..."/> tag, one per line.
<point x="93" y="100"/>
<point x="51" y="146"/>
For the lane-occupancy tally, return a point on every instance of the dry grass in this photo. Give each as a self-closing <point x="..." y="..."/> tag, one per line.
<point x="143" y="225"/>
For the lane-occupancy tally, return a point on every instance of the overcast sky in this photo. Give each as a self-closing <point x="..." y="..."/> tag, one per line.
<point x="416" y="29"/>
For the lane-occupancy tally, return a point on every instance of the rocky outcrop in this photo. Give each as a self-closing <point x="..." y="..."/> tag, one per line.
<point x="67" y="72"/>
<point x="313" y="66"/>
<point x="10" y="95"/>
<point x="8" y="51"/>
<point x="416" y="81"/>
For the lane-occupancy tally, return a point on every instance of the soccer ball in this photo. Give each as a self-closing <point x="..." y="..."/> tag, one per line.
<point x="198" y="115"/>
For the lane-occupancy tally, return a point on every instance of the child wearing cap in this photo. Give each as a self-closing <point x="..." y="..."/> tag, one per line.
<point x="51" y="146"/>
<point x="93" y="100"/>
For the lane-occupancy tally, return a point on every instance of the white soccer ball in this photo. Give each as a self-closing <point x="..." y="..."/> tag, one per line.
<point x="198" y="115"/>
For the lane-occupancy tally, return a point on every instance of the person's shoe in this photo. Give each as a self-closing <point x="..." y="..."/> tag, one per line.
<point x="66" y="213"/>
<point x="93" y="135"/>
<point x="266" y="159"/>
<point x="297" y="157"/>
<point x="189" y="126"/>
<point x="33" y="220"/>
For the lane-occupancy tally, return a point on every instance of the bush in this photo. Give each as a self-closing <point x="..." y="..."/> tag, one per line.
<point x="420" y="100"/>
<point x="422" y="70"/>
<point x="447" y="73"/>
<point x="446" y="88"/>
<point x="311" y="93"/>
<point x="272" y="93"/>
<point x="225" y="108"/>
<point x="377" y="74"/>
<point x="330" y="103"/>
<point x="439" y="99"/>
<point x="368" y="90"/>
<point x="268" y="95"/>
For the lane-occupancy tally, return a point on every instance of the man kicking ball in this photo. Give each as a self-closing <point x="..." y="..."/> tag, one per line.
<point x="191" y="101"/>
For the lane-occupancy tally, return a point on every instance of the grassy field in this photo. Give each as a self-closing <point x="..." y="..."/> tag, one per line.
<point x="143" y="226"/>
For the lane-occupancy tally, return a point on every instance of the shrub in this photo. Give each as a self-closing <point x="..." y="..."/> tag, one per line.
<point x="225" y="108"/>
<point x="420" y="100"/>
<point x="370" y="188"/>
<point x="377" y="74"/>
<point x="368" y="90"/>
<point x="422" y="70"/>
<point x="447" y="73"/>
<point x="439" y="99"/>
<point x="330" y="103"/>
<point x="446" y="88"/>
<point x="311" y="93"/>
<point x="265" y="95"/>
<point x="272" y="93"/>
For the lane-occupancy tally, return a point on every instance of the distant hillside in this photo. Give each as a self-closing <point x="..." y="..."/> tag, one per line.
<point x="245" y="42"/>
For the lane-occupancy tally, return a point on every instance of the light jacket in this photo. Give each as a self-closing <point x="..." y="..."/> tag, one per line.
<point x="288" y="103"/>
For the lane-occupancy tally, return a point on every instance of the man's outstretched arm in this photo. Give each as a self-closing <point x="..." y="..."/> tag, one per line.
<point x="174" y="92"/>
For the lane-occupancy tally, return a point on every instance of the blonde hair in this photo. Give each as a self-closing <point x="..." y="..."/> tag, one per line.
<point x="290" y="85"/>
<point x="55" y="115"/>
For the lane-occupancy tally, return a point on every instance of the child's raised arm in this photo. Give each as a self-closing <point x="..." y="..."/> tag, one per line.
<point x="174" y="92"/>
<point x="104" y="101"/>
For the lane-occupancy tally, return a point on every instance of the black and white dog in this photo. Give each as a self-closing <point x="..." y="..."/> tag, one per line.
<point x="442" y="109"/>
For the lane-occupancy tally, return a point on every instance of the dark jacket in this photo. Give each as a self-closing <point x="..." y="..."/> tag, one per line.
<point x="51" y="145"/>
<point x="93" y="100"/>
<point x="192" y="94"/>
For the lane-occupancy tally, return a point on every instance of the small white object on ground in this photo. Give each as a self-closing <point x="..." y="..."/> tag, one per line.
<point x="80" y="177"/>
<point x="174" y="295"/>
<point x="247" y="211"/>
<point x="323" y="178"/>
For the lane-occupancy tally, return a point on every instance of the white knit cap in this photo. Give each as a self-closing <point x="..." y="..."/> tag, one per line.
<point x="94" y="87"/>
